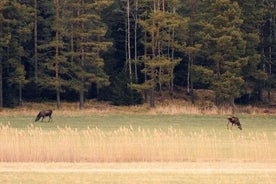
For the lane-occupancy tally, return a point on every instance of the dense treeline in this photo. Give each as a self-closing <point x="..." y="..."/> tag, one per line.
<point x="127" y="51"/>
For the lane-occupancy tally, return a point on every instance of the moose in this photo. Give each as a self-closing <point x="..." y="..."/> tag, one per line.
<point x="43" y="114"/>
<point x="234" y="121"/>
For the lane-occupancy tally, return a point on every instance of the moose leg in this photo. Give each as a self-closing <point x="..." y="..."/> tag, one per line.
<point x="228" y="125"/>
<point x="50" y="118"/>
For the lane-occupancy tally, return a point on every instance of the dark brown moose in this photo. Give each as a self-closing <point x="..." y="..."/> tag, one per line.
<point x="234" y="121"/>
<point x="43" y="114"/>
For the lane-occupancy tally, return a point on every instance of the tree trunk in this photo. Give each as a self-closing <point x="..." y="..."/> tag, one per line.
<point x="191" y="55"/>
<point x="72" y="42"/>
<point x="271" y="32"/>
<point x="20" y="94"/>
<point x="1" y="78"/>
<point x="129" y="48"/>
<point x="57" y="56"/>
<point x="81" y="61"/>
<point x="1" y="82"/>
<point x="135" y="41"/>
<point x="152" y="31"/>
<point x="1" y="69"/>
<point x="153" y="48"/>
<point x="172" y="56"/>
<point x="128" y="42"/>
<point x="188" y="74"/>
<point x="81" y="90"/>
<point x="152" y="98"/>
<point x="190" y="86"/>
<point x="81" y="97"/>
<point x="35" y="41"/>
<point x="260" y="87"/>
<point x="232" y="104"/>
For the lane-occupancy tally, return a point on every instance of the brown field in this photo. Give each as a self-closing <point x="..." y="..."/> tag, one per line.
<point x="127" y="144"/>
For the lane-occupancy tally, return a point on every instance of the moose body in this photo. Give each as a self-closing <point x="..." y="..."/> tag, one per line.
<point x="234" y="121"/>
<point x="43" y="114"/>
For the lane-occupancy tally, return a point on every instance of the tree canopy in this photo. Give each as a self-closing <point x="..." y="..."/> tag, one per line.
<point x="129" y="51"/>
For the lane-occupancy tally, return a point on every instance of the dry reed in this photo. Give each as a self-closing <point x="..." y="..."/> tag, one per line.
<point x="132" y="145"/>
<point x="169" y="107"/>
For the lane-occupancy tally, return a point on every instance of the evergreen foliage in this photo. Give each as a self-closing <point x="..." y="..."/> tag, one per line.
<point x="127" y="51"/>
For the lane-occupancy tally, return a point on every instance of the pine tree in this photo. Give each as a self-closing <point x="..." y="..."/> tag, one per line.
<point x="3" y="40"/>
<point x="50" y="61"/>
<point x="87" y="36"/>
<point x="252" y="13"/>
<point x="223" y="41"/>
<point x="191" y="10"/>
<point x="268" y="46"/>
<point x="16" y="30"/>
<point x="159" y="42"/>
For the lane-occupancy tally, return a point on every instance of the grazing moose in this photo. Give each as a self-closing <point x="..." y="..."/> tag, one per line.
<point x="234" y="121"/>
<point x="43" y="114"/>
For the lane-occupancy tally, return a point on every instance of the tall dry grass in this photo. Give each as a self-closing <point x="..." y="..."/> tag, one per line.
<point x="169" y="107"/>
<point x="132" y="145"/>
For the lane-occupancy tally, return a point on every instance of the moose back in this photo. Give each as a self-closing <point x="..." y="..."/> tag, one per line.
<point x="43" y="114"/>
<point x="234" y="121"/>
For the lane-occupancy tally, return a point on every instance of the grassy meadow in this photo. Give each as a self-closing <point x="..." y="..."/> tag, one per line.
<point x="136" y="138"/>
<point x="103" y="137"/>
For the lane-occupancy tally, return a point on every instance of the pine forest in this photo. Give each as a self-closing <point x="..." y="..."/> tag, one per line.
<point x="137" y="51"/>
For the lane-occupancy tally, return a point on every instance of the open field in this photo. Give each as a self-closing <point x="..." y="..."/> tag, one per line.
<point x="146" y="173"/>
<point x="88" y="147"/>
<point x="136" y="138"/>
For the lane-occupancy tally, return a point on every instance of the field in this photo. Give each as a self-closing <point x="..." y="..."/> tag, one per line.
<point x="146" y="173"/>
<point x="88" y="147"/>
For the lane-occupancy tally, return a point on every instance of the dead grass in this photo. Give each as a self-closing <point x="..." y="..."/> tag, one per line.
<point x="169" y="107"/>
<point x="132" y="145"/>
